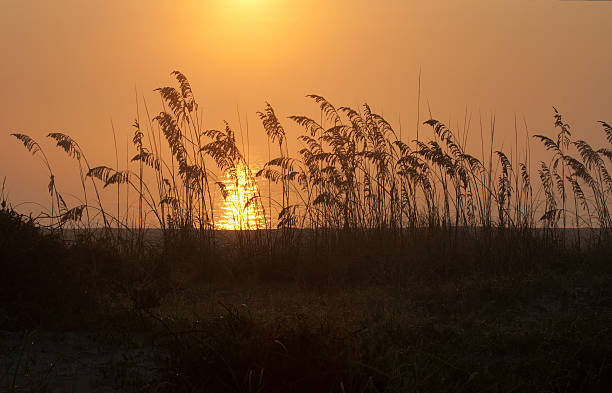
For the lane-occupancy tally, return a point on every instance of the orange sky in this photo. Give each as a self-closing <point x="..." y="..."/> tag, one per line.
<point x="72" y="65"/>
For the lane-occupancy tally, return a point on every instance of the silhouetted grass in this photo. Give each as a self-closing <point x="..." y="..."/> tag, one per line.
<point x="384" y="265"/>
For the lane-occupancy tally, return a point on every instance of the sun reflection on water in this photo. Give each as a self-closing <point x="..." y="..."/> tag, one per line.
<point x="241" y="207"/>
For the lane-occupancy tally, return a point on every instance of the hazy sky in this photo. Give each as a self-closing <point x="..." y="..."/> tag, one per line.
<point x="73" y="65"/>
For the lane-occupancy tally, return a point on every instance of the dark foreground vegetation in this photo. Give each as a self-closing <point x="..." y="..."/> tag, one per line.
<point x="433" y="311"/>
<point x="382" y="266"/>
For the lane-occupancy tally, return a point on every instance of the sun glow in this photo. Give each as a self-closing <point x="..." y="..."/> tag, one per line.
<point x="251" y="35"/>
<point x="241" y="207"/>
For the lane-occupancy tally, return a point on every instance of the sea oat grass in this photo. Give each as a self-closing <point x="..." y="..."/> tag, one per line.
<point x="376" y="263"/>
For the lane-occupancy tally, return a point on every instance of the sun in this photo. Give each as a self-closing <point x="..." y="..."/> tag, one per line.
<point x="241" y="206"/>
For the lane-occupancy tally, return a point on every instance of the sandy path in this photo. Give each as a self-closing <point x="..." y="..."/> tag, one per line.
<point x="70" y="362"/>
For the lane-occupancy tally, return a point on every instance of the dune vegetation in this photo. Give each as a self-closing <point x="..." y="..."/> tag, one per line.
<point x="360" y="262"/>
